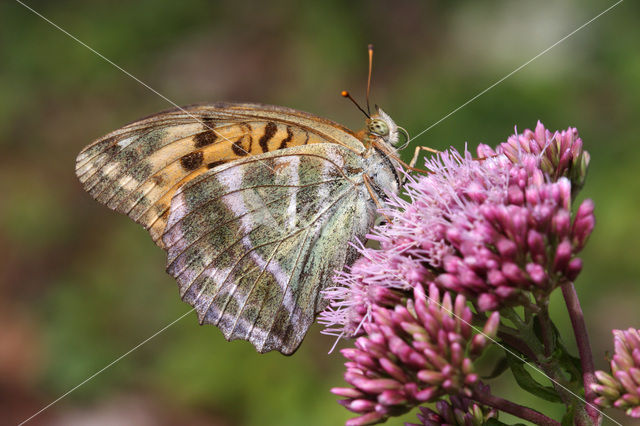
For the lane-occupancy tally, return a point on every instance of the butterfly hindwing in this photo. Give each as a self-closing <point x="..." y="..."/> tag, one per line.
<point x="252" y="243"/>
<point x="137" y="169"/>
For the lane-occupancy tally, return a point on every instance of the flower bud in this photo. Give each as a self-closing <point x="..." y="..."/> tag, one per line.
<point x="563" y="254"/>
<point x="583" y="224"/>
<point x="621" y="388"/>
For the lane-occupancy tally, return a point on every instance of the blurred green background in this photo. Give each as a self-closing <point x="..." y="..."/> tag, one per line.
<point x="80" y="285"/>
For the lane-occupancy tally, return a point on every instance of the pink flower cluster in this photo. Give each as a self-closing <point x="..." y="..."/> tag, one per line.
<point x="458" y="411"/>
<point x="621" y="388"/>
<point x="412" y="354"/>
<point x="498" y="229"/>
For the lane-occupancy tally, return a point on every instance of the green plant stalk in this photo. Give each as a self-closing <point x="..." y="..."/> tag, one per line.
<point x="547" y="363"/>
<point x="567" y="391"/>
<point x="546" y="329"/>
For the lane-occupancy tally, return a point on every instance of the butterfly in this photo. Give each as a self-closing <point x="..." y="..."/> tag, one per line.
<point x="254" y="204"/>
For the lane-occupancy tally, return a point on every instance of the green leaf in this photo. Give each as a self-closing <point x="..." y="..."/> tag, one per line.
<point x="561" y="356"/>
<point x="526" y="382"/>
<point x="569" y="363"/>
<point x="555" y="333"/>
<point x="567" y="419"/>
<point x="500" y="367"/>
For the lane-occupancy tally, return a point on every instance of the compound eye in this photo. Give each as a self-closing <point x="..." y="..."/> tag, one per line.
<point x="378" y="127"/>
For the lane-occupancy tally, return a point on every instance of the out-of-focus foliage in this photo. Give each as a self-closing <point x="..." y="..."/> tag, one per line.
<point x="80" y="285"/>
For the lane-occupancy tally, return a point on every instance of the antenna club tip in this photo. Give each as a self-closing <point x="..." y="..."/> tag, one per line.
<point x="344" y="94"/>
<point x="370" y="46"/>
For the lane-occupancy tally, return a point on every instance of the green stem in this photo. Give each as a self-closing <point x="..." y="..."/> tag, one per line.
<point x="546" y="330"/>
<point x="518" y="344"/>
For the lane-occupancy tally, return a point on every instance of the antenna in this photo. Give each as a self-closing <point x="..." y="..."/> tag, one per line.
<point x="370" y="48"/>
<point x="347" y="95"/>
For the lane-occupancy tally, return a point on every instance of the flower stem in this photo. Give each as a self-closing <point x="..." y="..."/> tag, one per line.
<point x="518" y="344"/>
<point x="584" y="348"/>
<point x="515" y="409"/>
<point x="545" y="330"/>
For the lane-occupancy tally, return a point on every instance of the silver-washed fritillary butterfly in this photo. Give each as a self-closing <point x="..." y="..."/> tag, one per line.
<point x="254" y="204"/>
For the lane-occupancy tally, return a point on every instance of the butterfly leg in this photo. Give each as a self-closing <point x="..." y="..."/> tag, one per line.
<point x="480" y="159"/>
<point x="399" y="160"/>
<point x="435" y="151"/>
<point x="417" y="152"/>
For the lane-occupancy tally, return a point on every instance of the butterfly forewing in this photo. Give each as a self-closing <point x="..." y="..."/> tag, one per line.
<point x="137" y="169"/>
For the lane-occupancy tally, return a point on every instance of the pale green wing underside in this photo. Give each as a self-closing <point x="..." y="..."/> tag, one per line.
<point x="253" y="242"/>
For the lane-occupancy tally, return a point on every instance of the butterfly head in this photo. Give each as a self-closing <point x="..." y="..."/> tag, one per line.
<point x="380" y="125"/>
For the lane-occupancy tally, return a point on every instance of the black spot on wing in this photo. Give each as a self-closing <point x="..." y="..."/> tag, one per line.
<point x="192" y="161"/>
<point x="208" y="122"/>
<point x="238" y="149"/>
<point x="269" y="130"/>
<point x="215" y="164"/>
<point x="205" y="138"/>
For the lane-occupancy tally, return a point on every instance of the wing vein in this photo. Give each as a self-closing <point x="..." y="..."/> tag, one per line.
<point x="191" y="244"/>
<point x="284" y="292"/>
<point x="210" y="263"/>
<point x="263" y="270"/>
<point x="206" y="203"/>
<point x="245" y="254"/>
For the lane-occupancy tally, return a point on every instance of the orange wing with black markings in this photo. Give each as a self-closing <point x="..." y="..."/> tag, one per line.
<point x="137" y="169"/>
